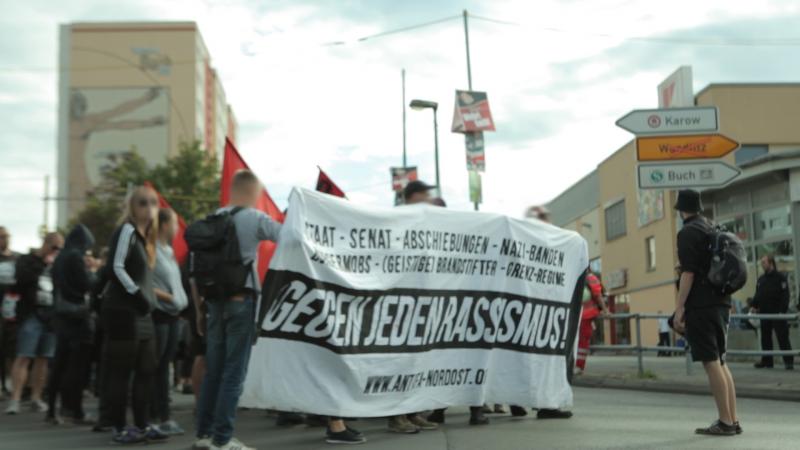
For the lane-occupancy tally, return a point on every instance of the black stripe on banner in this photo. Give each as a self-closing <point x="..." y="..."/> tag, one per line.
<point x="355" y="321"/>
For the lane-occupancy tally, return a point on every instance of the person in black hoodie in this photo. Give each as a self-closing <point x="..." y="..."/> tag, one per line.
<point x="129" y="335"/>
<point x="72" y="281"/>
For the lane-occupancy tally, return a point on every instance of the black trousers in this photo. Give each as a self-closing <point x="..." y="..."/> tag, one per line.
<point x="663" y="341"/>
<point x="68" y="375"/>
<point x="122" y="360"/>
<point x="781" y="328"/>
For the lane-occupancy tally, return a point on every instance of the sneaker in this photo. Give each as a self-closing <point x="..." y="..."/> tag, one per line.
<point x="717" y="429"/>
<point x="437" y="416"/>
<point x="171" y="428"/>
<point x="128" y="436"/>
<point x="401" y="424"/>
<point x="553" y="414"/>
<point x="203" y="443"/>
<point x="518" y="411"/>
<point x="233" y="444"/>
<point x="39" y="406"/>
<point x="153" y="434"/>
<point x="762" y="365"/>
<point x="344" y="437"/>
<point x="421" y="423"/>
<point x="487" y="409"/>
<point x="13" y="407"/>
<point x="498" y="409"/>
<point x="738" y="427"/>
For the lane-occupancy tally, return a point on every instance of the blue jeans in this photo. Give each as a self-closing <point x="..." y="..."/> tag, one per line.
<point x="166" y="347"/>
<point x="35" y="340"/>
<point x="229" y="338"/>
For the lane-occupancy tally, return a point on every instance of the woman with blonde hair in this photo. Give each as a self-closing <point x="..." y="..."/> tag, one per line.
<point x="130" y="338"/>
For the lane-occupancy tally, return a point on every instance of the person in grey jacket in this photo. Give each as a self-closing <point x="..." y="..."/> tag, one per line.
<point x="171" y="300"/>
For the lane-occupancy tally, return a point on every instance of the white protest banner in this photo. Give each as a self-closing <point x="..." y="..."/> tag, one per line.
<point x="372" y="312"/>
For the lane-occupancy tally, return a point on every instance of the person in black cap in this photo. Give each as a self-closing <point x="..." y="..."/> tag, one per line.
<point x="703" y="313"/>
<point x="417" y="191"/>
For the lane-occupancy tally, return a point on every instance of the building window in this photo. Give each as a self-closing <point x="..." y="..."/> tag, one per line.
<point x="650" y="248"/>
<point x="773" y="222"/>
<point x="615" y="221"/>
<point x="748" y="153"/>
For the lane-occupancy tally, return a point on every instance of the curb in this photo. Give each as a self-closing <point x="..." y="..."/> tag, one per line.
<point x="677" y="388"/>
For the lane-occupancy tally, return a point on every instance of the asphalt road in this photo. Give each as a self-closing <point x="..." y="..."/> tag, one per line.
<point x="604" y="418"/>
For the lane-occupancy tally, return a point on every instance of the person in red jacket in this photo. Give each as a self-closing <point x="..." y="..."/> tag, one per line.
<point x="593" y="306"/>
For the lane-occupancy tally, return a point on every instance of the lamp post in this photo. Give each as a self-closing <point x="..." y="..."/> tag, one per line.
<point x="425" y="104"/>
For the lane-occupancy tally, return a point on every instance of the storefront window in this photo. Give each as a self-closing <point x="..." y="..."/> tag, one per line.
<point x="773" y="222"/>
<point x="738" y="226"/>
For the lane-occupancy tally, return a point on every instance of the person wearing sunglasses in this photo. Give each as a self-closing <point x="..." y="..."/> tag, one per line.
<point x="130" y="350"/>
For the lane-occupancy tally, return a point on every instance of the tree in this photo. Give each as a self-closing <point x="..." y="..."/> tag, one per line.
<point x="189" y="181"/>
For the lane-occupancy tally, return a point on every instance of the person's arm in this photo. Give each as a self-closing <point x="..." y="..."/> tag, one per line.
<point x="685" y="286"/>
<point x="199" y="307"/>
<point x="267" y="229"/>
<point x="163" y="295"/>
<point x="120" y="254"/>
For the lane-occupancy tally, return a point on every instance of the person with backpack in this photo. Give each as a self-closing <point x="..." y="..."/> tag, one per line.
<point x="223" y="266"/>
<point x="772" y="297"/>
<point x="129" y="356"/>
<point x="702" y="310"/>
<point x="73" y="279"/>
<point x="171" y="301"/>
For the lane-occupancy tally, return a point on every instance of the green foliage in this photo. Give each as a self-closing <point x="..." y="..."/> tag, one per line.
<point x="189" y="181"/>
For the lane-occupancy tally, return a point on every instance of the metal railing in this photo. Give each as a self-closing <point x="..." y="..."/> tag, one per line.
<point x="640" y="349"/>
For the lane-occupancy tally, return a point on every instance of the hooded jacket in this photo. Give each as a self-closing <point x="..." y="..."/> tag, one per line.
<point x="71" y="279"/>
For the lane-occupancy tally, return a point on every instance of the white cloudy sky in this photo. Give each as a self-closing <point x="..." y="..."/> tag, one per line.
<point x="556" y="83"/>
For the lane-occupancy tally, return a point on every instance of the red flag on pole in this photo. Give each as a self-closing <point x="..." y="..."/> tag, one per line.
<point x="232" y="163"/>
<point x="326" y="185"/>
<point x="178" y="244"/>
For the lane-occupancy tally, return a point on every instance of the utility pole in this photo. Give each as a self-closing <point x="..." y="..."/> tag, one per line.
<point x="469" y="69"/>
<point x="46" y="202"/>
<point x="403" y="75"/>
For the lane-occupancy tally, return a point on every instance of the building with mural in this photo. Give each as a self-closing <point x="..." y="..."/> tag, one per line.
<point x="632" y="232"/>
<point x="132" y="86"/>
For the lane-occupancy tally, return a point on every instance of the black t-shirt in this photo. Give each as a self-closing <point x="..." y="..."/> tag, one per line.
<point x="772" y="293"/>
<point x="7" y="282"/>
<point x="35" y="287"/>
<point x="694" y="255"/>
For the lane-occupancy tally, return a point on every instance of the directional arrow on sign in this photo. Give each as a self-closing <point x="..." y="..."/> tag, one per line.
<point x="671" y="121"/>
<point x="686" y="175"/>
<point x="695" y="146"/>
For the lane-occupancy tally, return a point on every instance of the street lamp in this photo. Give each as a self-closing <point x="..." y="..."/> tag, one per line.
<point x="425" y="104"/>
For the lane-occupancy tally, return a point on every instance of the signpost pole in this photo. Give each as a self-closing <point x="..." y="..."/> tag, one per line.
<point x="403" y="76"/>
<point x="469" y="69"/>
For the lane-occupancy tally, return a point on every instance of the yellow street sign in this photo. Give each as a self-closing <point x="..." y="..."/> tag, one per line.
<point x="699" y="146"/>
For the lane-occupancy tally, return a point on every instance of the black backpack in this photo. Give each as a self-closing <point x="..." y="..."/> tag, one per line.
<point x="215" y="258"/>
<point x="728" y="269"/>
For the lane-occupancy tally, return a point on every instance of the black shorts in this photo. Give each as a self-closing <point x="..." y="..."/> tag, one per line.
<point x="707" y="332"/>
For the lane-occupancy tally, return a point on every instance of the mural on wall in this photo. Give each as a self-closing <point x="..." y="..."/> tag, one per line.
<point x="111" y="121"/>
<point x="651" y="206"/>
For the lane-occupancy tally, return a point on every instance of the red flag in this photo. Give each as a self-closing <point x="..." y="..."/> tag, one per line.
<point x="178" y="244"/>
<point x="232" y="163"/>
<point x="326" y="185"/>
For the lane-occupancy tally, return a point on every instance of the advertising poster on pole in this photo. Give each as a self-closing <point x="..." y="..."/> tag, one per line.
<point x="476" y="156"/>
<point x="472" y="113"/>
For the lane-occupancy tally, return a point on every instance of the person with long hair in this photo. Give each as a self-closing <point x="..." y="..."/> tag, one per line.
<point x="171" y="301"/>
<point x="130" y="350"/>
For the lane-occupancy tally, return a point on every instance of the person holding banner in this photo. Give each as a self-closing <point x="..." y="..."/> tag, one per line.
<point x="230" y="321"/>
